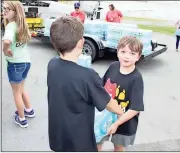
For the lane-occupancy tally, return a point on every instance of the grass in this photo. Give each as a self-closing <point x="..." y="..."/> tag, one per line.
<point x="170" y="30"/>
<point x="161" y="29"/>
<point x="142" y="19"/>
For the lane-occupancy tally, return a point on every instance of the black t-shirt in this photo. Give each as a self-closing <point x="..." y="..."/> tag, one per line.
<point x="128" y="91"/>
<point x="73" y="93"/>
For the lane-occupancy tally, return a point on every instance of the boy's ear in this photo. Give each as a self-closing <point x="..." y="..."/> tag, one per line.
<point x="82" y="40"/>
<point x="80" y="43"/>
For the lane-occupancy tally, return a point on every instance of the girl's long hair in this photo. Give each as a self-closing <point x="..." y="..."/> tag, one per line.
<point x="23" y="34"/>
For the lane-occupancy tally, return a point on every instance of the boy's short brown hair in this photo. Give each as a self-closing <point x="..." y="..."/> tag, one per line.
<point x="65" y="33"/>
<point x="135" y="45"/>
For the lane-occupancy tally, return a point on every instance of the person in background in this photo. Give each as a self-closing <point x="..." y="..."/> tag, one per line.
<point x="177" y="33"/>
<point x="15" y="40"/>
<point x="78" y="13"/>
<point x="113" y="15"/>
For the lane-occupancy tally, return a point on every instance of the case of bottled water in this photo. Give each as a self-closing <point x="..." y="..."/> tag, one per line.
<point x="94" y="27"/>
<point x="85" y="61"/>
<point x="103" y="120"/>
<point x="114" y="34"/>
<point x="147" y="50"/>
<point x="100" y="28"/>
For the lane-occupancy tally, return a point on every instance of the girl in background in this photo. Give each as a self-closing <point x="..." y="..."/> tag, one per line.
<point x="177" y="34"/>
<point x="15" y="39"/>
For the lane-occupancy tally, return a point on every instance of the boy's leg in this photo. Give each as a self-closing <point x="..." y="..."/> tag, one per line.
<point x="122" y="141"/>
<point x="119" y="148"/>
<point x="99" y="146"/>
<point x="118" y="141"/>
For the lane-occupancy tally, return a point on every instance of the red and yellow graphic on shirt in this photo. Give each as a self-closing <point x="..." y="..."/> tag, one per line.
<point x="116" y="93"/>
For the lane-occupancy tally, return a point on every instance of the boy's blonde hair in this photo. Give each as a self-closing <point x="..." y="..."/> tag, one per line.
<point x="23" y="34"/>
<point x="134" y="44"/>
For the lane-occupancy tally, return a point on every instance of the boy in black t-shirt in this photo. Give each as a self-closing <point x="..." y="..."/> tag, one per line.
<point x="73" y="91"/>
<point x="124" y="83"/>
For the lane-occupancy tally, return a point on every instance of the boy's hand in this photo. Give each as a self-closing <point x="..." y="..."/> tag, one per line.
<point x="112" y="129"/>
<point x="113" y="106"/>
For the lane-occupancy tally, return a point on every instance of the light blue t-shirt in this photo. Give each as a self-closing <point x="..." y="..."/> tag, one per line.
<point x="19" y="50"/>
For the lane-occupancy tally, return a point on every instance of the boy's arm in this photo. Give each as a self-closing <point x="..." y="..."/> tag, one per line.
<point x="98" y="96"/>
<point x="126" y="117"/>
<point x="113" y="106"/>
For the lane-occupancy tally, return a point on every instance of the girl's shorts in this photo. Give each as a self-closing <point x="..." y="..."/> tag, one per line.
<point x="17" y="72"/>
<point x="118" y="139"/>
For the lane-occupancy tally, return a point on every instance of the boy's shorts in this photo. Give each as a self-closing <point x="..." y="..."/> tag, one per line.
<point x="17" y="72"/>
<point x="118" y="139"/>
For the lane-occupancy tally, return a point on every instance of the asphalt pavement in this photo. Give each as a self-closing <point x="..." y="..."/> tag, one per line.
<point x="159" y="124"/>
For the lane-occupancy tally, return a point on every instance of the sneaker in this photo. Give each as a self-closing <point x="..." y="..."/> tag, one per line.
<point x="176" y="50"/>
<point x="30" y="114"/>
<point x="22" y="124"/>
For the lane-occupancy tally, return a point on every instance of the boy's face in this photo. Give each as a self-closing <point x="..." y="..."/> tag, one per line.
<point x="127" y="57"/>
